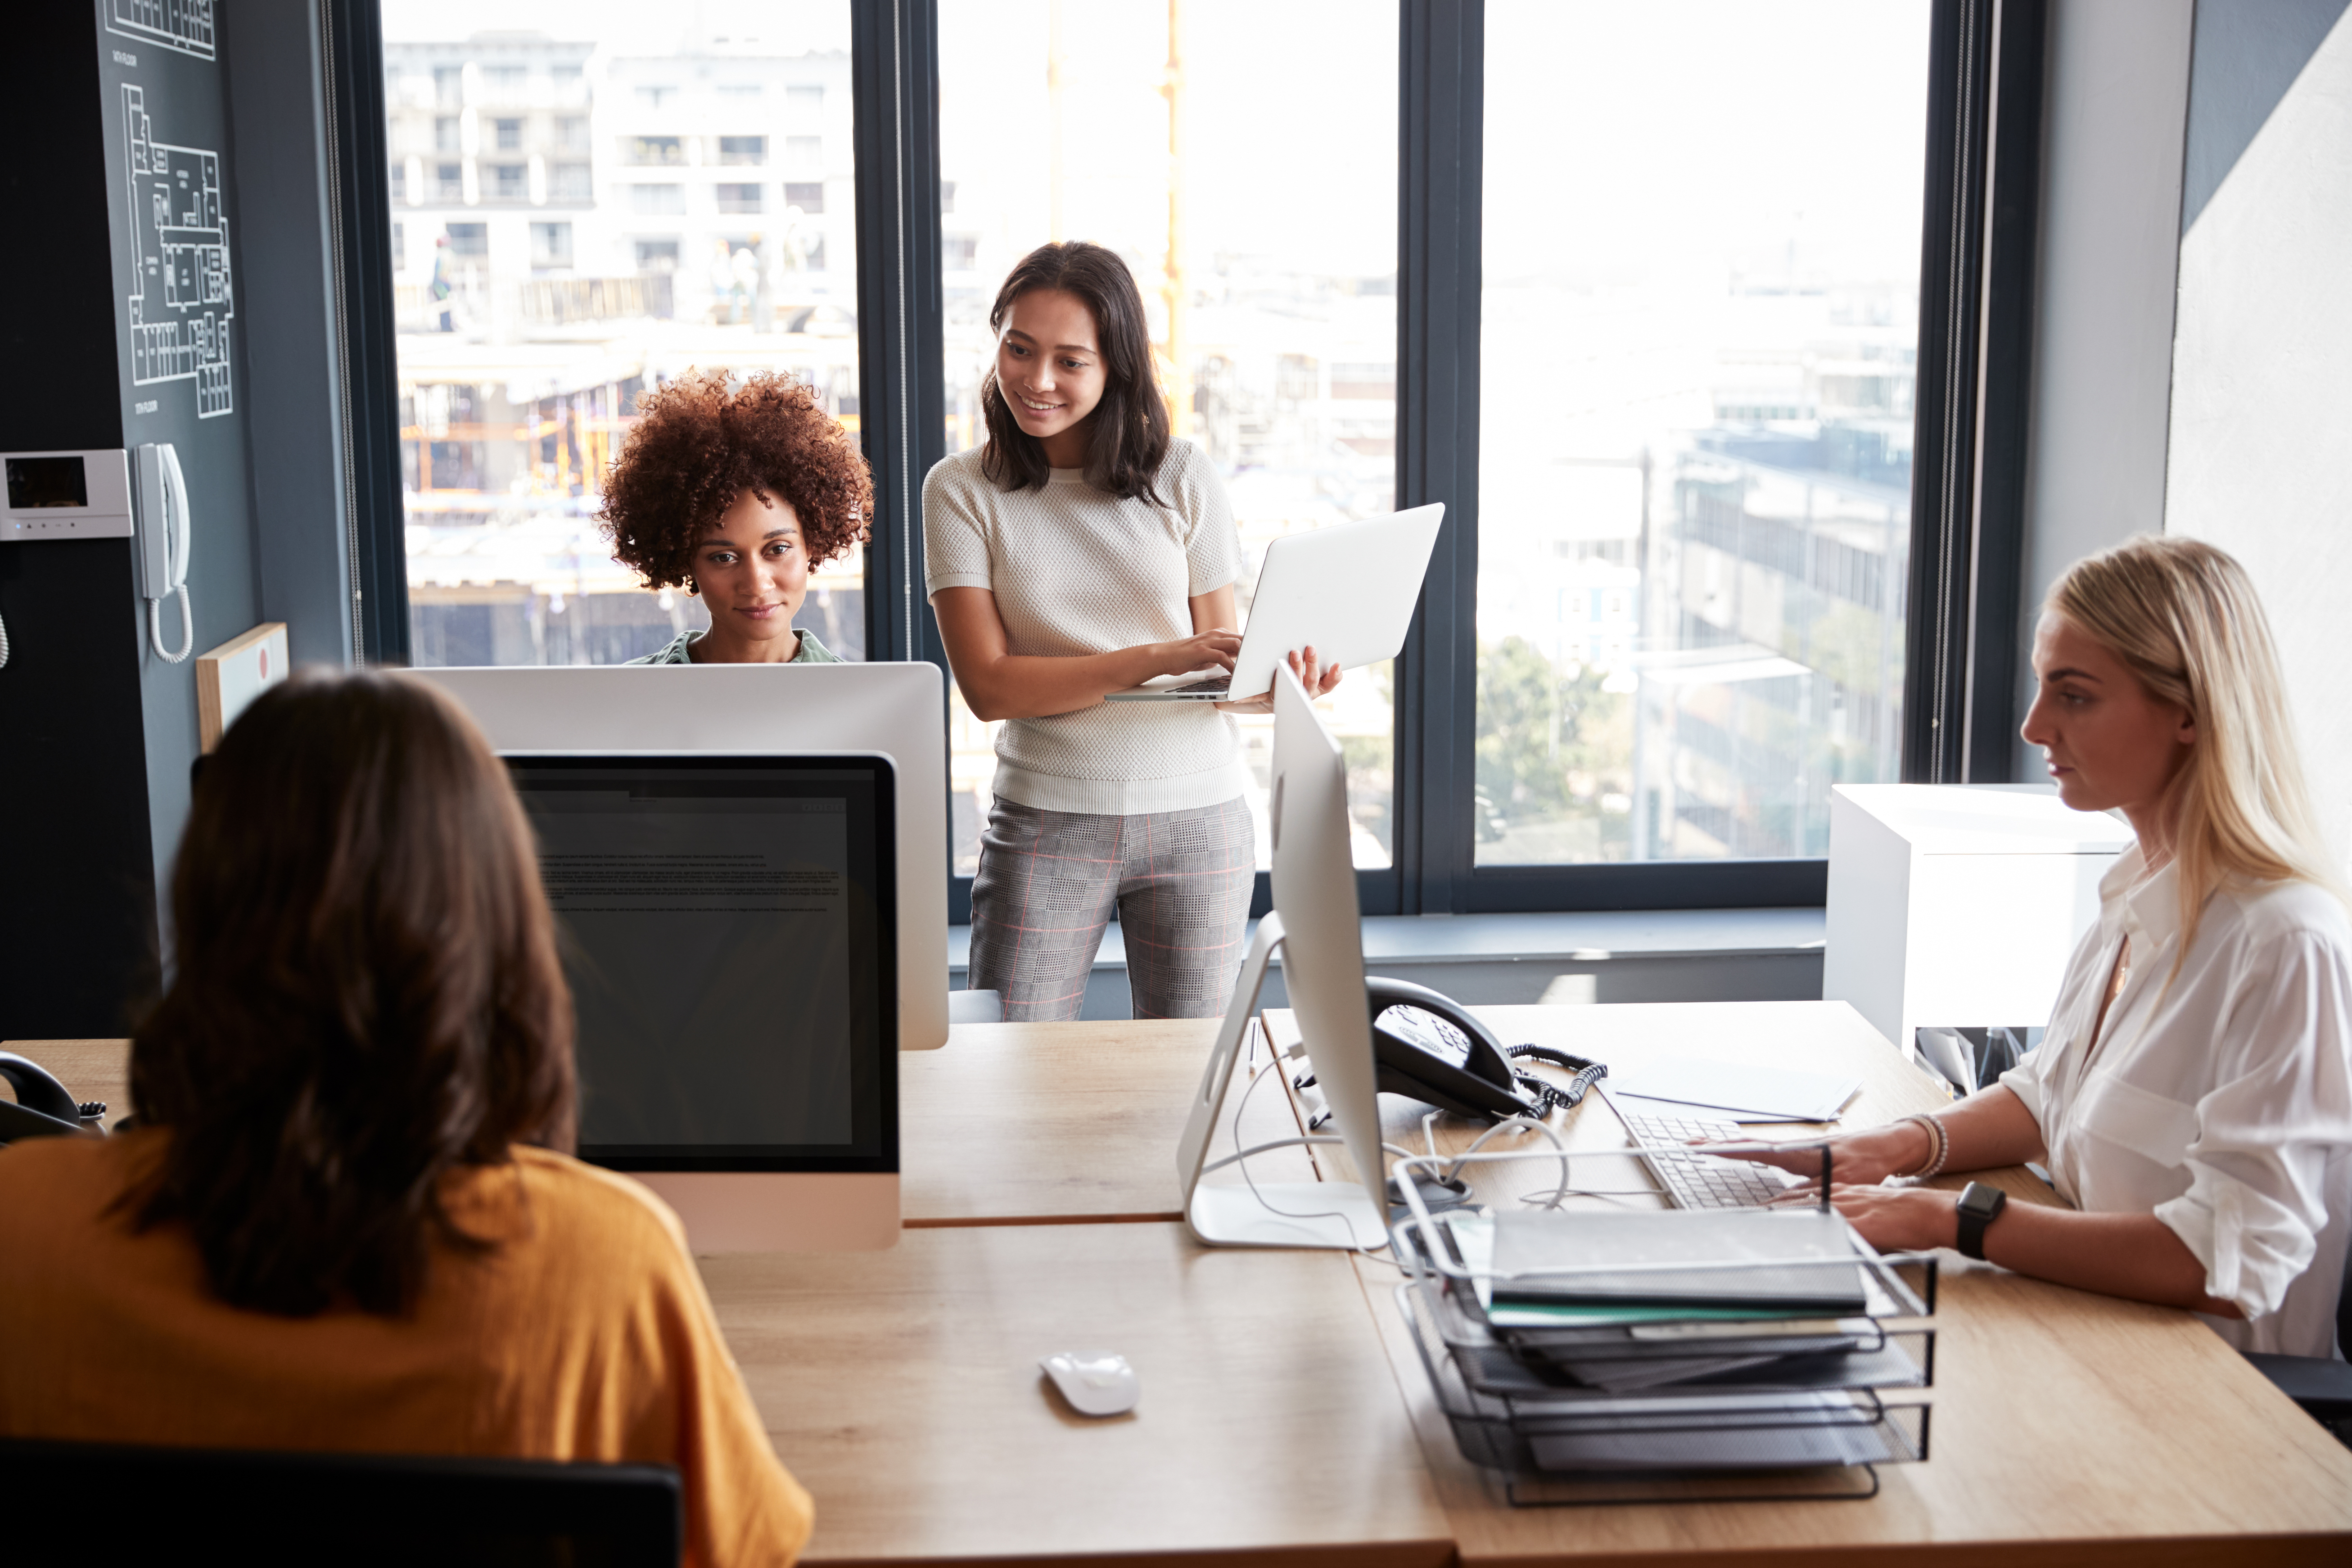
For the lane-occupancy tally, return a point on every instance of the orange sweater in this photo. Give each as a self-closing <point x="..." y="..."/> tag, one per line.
<point x="585" y="1335"/>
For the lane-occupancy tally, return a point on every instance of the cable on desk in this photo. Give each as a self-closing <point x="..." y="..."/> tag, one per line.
<point x="1550" y="1200"/>
<point x="1258" y="1074"/>
<point x="1451" y="1178"/>
<point x="1519" y="1123"/>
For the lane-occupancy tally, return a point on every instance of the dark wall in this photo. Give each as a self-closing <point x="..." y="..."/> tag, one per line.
<point x="199" y="402"/>
<point x="126" y="212"/>
<point x="289" y="401"/>
<point x="76" y="920"/>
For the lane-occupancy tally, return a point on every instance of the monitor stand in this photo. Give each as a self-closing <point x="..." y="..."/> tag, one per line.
<point x="1340" y="1215"/>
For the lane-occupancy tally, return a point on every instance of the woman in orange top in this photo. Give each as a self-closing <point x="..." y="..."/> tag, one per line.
<point x="345" y="1219"/>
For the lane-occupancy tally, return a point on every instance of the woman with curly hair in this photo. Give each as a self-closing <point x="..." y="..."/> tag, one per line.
<point x="1084" y="549"/>
<point x="733" y="496"/>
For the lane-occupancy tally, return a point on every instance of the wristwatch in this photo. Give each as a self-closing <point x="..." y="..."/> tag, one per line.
<point x="1979" y="1206"/>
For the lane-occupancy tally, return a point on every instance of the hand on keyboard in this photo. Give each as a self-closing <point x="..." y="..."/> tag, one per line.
<point x="1895" y="1150"/>
<point x="1671" y="1148"/>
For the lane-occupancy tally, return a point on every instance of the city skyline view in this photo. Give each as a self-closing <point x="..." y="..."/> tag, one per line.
<point x="1701" y="299"/>
<point x="1700" y="333"/>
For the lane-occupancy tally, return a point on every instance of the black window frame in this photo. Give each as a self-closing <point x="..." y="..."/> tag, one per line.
<point x="1978" y="249"/>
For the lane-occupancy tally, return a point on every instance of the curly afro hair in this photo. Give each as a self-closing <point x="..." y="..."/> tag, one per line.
<point x="696" y="447"/>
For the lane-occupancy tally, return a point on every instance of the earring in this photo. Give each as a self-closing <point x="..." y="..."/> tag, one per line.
<point x="692" y="590"/>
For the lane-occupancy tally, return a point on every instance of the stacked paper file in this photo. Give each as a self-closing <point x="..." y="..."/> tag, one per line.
<point x="1723" y="1344"/>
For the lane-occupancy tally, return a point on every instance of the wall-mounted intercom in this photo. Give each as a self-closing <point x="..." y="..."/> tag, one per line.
<point x="63" y="495"/>
<point x="89" y="495"/>
<point x="66" y="495"/>
<point x="164" y="546"/>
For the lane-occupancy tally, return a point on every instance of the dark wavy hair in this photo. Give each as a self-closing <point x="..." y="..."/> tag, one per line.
<point x="696" y="447"/>
<point x="1128" y="432"/>
<point x="367" y="997"/>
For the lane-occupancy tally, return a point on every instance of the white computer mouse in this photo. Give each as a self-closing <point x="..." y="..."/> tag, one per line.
<point x="1096" y="1382"/>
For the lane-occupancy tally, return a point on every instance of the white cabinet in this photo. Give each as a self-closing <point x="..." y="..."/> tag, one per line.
<point x="1958" y="904"/>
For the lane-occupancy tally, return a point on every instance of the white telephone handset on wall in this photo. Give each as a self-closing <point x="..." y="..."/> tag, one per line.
<point x="164" y="546"/>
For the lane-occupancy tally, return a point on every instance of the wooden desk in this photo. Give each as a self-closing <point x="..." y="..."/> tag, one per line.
<point x="1029" y="1124"/>
<point x="902" y="1388"/>
<point x="1007" y="1124"/>
<point x="1822" y="1037"/>
<point x="2067" y="1427"/>
<point x="90" y="1069"/>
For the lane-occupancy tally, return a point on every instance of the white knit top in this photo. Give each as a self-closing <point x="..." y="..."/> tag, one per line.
<point x="1078" y="570"/>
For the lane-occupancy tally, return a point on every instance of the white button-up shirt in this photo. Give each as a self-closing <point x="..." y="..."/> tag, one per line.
<point x="2219" y="1098"/>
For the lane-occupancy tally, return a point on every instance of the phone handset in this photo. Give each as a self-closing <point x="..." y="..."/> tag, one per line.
<point x="42" y="1108"/>
<point x="164" y="546"/>
<point x="1429" y="1048"/>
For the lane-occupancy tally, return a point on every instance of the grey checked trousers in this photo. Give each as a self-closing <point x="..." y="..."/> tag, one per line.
<point x="1049" y="881"/>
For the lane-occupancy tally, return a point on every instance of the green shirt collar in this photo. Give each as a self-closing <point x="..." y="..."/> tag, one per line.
<point x="674" y="650"/>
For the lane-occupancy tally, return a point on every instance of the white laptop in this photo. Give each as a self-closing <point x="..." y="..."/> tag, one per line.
<point x="1348" y="589"/>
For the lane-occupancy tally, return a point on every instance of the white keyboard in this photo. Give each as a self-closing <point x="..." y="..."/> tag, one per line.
<point x="1695" y="1181"/>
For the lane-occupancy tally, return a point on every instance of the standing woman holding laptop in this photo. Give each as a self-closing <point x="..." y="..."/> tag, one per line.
<point x="1081" y="550"/>
<point x="2193" y="1096"/>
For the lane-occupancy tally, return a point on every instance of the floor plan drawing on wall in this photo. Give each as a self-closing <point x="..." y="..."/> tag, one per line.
<point x="183" y="25"/>
<point x="181" y="299"/>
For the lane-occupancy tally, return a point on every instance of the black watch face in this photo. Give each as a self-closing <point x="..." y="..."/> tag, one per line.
<point x="1982" y="1200"/>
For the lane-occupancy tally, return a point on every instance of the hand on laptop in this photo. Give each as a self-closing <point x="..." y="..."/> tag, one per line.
<point x="1315" y="678"/>
<point x="1216" y="648"/>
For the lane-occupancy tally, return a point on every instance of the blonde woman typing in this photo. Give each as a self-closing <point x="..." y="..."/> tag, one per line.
<point x="2193" y="1096"/>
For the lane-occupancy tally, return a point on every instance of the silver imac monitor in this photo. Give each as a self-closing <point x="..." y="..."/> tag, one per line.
<point x="1315" y="926"/>
<point x="728" y="931"/>
<point x="897" y="710"/>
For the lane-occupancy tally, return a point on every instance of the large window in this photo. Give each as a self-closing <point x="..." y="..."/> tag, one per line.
<point x="1701" y="316"/>
<point x="1701" y="330"/>
<point x="523" y="343"/>
<point x="1265" y="242"/>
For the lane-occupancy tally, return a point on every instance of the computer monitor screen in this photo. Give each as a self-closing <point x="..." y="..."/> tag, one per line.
<point x="899" y="710"/>
<point x="728" y="926"/>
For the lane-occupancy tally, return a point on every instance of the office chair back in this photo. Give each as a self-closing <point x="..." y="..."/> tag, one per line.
<point x="90" y="1502"/>
<point x="2344" y="1308"/>
<point x="2321" y="1385"/>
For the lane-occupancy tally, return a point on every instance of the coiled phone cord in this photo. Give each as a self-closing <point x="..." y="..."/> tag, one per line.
<point x="187" y="627"/>
<point x="1549" y="1097"/>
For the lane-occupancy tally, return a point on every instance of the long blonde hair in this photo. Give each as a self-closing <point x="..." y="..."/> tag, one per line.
<point x="2184" y="618"/>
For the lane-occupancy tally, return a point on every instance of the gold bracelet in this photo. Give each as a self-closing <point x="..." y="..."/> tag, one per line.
<point x="1942" y="1151"/>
